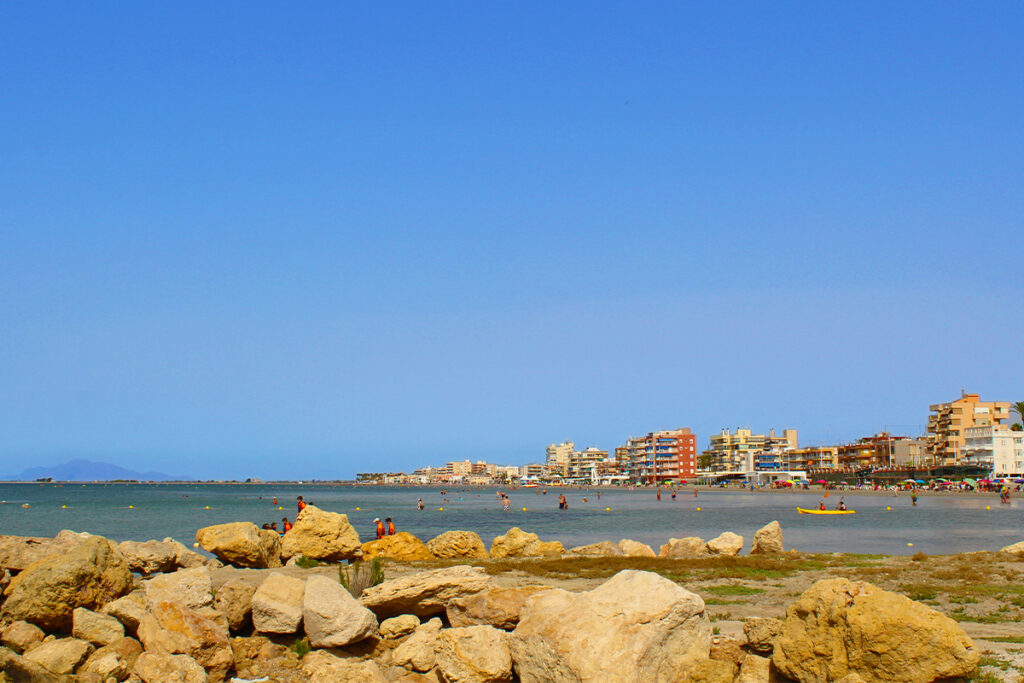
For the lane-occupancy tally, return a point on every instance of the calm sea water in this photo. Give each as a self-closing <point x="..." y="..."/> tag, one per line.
<point x="938" y="525"/>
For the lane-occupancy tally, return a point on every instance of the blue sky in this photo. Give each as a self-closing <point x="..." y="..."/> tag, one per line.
<point x="254" y="239"/>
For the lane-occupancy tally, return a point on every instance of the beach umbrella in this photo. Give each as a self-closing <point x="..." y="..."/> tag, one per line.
<point x="909" y="481"/>
<point x="821" y="481"/>
<point x="1018" y="481"/>
<point x="919" y="481"/>
<point x="970" y="481"/>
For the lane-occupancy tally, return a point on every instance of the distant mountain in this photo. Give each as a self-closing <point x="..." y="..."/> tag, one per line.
<point x="88" y="470"/>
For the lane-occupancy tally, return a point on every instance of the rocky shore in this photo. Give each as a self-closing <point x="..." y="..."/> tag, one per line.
<point x="319" y="605"/>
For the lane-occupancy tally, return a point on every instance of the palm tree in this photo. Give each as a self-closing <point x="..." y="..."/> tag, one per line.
<point x="1018" y="406"/>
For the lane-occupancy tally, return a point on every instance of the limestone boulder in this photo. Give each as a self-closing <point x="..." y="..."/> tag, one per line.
<point x="46" y="593"/>
<point x="418" y="652"/>
<point x="321" y="535"/>
<point x="687" y="548"/>
<point x="17" y="553"/>
<point x="518" y="543"/>
<point x="16" y="668"/>
<point x="635" y="549"/>
<point x="5" y="579"/>
<point x="192" y="588"/>
<point x="175" y="629"/>
<point x="599" y="549"/>
<point x="712" y="671"/>
<point x="768" y="540"/>
<point x="93" y="627"/>
<point x="234" y="601"/>
<point x="840" y="627"/>
<point x="402" y="546"/>
<point x="396" y="627"/>
<point x="161" y="667"/>
<point x="474" y="654"/>
<point x="258" y="658"/>
<point x="637" y="626"/>
<point x="457" y="545"/>
<point x="149" y="557"/>
<point x="21" y="635"/>
<point x="760" y="634"/>
<point x="241" y="544"/>
<point x="61" y="655"/>
<point x="426" y="593"/>
<point x="128" y="609"/>
<point x="725" y="545"/>
<point x="332" y="617"/>
<point x="115" y="660"/>
<point x="497" y="607"/>
<point x="323" y="667"/>
<point x="754" y="669"/>
<point x="186" y="558"/>
<point x="277" y="604"/>
<point x="1015" y="549"/>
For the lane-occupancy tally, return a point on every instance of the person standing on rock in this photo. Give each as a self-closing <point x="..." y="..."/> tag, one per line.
<point x="301" y="504"/>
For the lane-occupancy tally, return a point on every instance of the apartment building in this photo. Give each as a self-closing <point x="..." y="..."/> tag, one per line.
<point x="663" y="456"/>
<point x="744" y="451"/>
<point x="995" y="447"/>
<point x="814" y="458"/>
<point x="558" y="456"/>
<point x="586" y="465"/>
<point x="948" y="422"/>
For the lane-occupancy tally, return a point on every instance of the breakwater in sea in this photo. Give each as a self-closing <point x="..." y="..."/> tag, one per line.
<point x="883" y="524"/>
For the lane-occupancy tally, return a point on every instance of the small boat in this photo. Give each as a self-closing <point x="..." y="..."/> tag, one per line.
<point x="805" y="511"/>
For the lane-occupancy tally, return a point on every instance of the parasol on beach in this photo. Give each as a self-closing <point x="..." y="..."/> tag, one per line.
<point x="919" y="481"/>
<point x="821" y="481"/>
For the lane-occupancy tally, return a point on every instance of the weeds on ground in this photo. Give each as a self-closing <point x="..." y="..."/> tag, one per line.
<point x="306" y="562"/>
<point x="732" y="589"/>
<point x="300" y="647"/>
<point x="359" y="576"/>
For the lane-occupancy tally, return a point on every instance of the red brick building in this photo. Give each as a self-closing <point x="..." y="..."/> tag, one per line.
<point x="659" y="456"/>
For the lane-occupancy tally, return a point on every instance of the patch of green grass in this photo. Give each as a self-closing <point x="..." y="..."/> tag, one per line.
<point x="306" y="562"/>
<point x="919" y="592"/>
<point x="300" y="647"/>
<point x="732" y="589"/>
<point x="719" y="601"/>
<point x="1007" y="639"/>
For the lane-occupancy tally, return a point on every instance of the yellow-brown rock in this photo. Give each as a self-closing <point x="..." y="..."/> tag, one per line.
<point x="401" y="546"/>
<point x="497" y="607"/>
<point x="840" y="627"/>
<point x="175" y="629"/>
<point x="458" y="544"/>
<point x="518" y="543"/>
<point x="47" y="592"/>
<point x="321" y="535"/>
<point x="242" y="544"/>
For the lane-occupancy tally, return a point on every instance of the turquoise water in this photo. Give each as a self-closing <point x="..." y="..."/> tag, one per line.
<point x="938" y="525"/>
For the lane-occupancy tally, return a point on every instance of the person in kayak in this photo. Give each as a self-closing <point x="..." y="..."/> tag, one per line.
<point x="821" y="504"/>
<point x="842" y="505"/>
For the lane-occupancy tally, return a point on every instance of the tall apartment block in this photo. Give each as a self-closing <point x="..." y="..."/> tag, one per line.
<point x="558" y="457"/>
<point x="658" y="457"/>
<point x="948" y="421"/>
<point x="744" y="451"/>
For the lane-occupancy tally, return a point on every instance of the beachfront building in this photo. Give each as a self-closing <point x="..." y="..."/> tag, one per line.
<point x="814" y="458"/>
<point x="910" y="453"/>
<point x="585" y="466"/>
<point x="996" y="448"/>
<point x="870" y="452"/>
<point x="659" y="457"/>
<point x="558" y="456"/>
<point x="948" y="422"/>
<point x="744" y="451"/>
<point x="533" y="471"/>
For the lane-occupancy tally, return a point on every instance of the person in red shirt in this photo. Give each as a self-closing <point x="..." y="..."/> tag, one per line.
<point x="301" y="503"/>
<point x="380" y="528"/>
<point x="286" y="525"/>
<point x="391" y="527"/>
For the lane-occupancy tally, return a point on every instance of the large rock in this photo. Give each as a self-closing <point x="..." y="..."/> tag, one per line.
<point x="599" y="549"/>
<point x="192" y="588"/>
<point x="418" y="652"/>
<point x="16" y="668"/>
<point x="637" y="626"/>
<point x="242" y="544"/>
<point x="160" y="667"/>
<point x="129" y="610"/>
<point x="1015" y="549"/>
<point x="234" y="601"/>
<point x="760" y="634"/>
<point x="726" y="545"/>
<point x="426" y="593"/>
<point x="323" y="667"/>
<point x="402" y="546"/>
<point x="277" y="604"/>
<point x="258" y="658"/>
<point x="93" y="627"/>
<point x="518" y="543"/>
<point x="840" y="627"/>
<point x="768" y="540"/>
<point x="497" y="607"/>
<point x="61" y="656"/>
<point x="114" y="660"/>
<point x="474" y="654"/>
<point x="332" y="617"/>
<point x="635" y="548"/>
<point x="321" y="535"/>
<point x="46" y="593"/>
<point x="690" y="547"/>
<point x="175" y="629"/>
<point x="149" y="557"/>
<point x="457" y="545"/>
<point x="186" y="558"/>
<point x="17" y="553"/>
<point x="399" y="626"/>
<point x="754" y="669"/>
<point x="21" y="635"/>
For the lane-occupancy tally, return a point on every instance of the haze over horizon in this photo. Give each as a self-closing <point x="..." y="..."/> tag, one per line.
<point x="251" y="240"/>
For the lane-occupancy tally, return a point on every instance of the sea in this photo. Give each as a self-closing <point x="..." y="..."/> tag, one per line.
<point x="938" y="524"/>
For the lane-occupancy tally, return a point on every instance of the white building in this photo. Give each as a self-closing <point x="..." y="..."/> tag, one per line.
<point x="994" y="446"/>
<point x="557" y="457"/>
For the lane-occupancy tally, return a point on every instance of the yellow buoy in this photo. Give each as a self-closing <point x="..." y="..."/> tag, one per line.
<point x="440" y="509"/>
<point x="607" y="509"/>
<point x="196" y="544"/>
<point x="359" y="508"/>
<point x="63" y="507"/>
<point x="131" y="507"/>
<point x="698" y="509"/>
<point x="524" y="509"/>
<point x="888" y="508"/>
<point x="280" y="508"/>
<point x="988" y="507"/>
<point x="910" y="544"/>
<point x="207" y="507"/>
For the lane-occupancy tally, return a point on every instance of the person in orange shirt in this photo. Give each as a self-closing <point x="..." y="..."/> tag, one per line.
<point x="300" y="503"/>
<point x="391" y="527"/>
<point x="380" y="528"/>
<point x="286" y="525"/>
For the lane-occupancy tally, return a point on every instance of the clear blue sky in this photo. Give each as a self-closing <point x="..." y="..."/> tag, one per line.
<point x="261" y="239"/>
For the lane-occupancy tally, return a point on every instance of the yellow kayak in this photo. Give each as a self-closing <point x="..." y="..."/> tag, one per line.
<point x="826" y="512"/>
